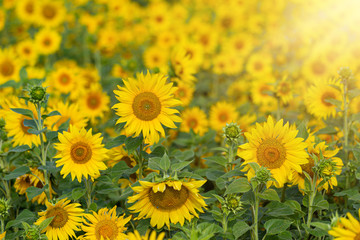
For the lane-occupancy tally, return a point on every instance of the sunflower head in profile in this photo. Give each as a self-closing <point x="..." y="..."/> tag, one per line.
<point x="67" y="219"/>
<point x="168" y="201"/>
<point x="148" y="235"/>
<point x="276" y="147"/>
<point x="80" y="153"/>
<point x="105" y="225"/>
<point x="346" y="228"/>
<point x="147" y="103"/>
<point x="317" y="96"/>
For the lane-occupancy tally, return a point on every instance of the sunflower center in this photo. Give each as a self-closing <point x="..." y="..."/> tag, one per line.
<point x="284" y="88"/>
<point x="169" y="199"/>
<point x="27" y="51"/>
<point x="264" y="90"/>
<point x="258" y="66"/>
<point x="64" y="79"/>
<point x="204" y="39"/>
<point x="226" y="22"/>
<point x="223" y="117"/>
<point x="318" y="68"/>
<point x="271" y="153"/>
<point x="7" y="68"/>
<point x="60" y="217"/>
<point x="357" y="237"/>
<point x="146" y="106"/>
<point x="93" y="101"/>
<point x="81" y="152"/>
<point x="239" y="45"/>
<point x="192" y="123"/>
<point x="47" y="42"/>
<point x="29" y="8"/>
<point x="106" y="229"/>
<point x="181" y="93"/>
<point x="326" y="96"/>
<point x="49" y="11"/>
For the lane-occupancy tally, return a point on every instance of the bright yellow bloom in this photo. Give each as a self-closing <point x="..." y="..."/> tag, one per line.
<point x="51" y="13"/>
<point x="9" y="66"/>
<point x="67" y="219"/>
<point x="47" y="41"/>
<point x="346" y="228"/>
<point x="276" y="147"/>
<point x="195" y="119"/>
<point x="148" y="236"/>
<point x="222" y="113"/>
<point x="80" y="153"/>
<point x="168" y="201"/>
<point x="145" y="103"/>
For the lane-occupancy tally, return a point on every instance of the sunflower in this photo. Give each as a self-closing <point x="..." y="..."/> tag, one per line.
<point x="346" y="228"/>
<point x="67" y="111"/>
<point x="238" y="91"/>
<point x="167" y="201"/>
<point x="184" y="92"/>
<point x="105" y="225"/>
<point x="26" y="51"/>
<point x="156" y="57"/>
<point x="284" y="90"/>
<point x="182" y="66"/>
<point x="91" y="76"/>
<point x="316" y="96"/>
<point x="195" y="119"/>
<point x="47" y="41"/>
<point x="119" y="72"/>
<point x="148" y="236"/>
<point x="10" y="66"/>
<point x="299" y="178"/>
<point x="80" y="153"/>
<point x="222" y="113"/>
<point x="63" y="80"/>
<point x="276" y="147"/>
<point x="51" y="13"/>
<point x="14" y="124"/>
<point x="67" y="219"/>
<point x="94" y="102"/>
<point x="145" y="103"/>
<point x="26" y="10"/>
<point x="35" y="179"/>
<point x="259" y="65"/>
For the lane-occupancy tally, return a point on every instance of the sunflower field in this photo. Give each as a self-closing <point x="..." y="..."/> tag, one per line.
<point x="179" y="119"/>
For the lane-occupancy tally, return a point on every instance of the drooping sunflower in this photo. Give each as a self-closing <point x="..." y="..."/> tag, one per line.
<point x="68" y="111"/>
<point x="94" y="103"/>
<point x="35" y="179"/>
<point x="195" y="119"/>
<point x="346" y="228"/>
<point x="47" y="41"/>
<point x="105" y="225"/>
<point x="81" y="153"/>
<point x="67" y="219"/>
<point x="146" y="103"/>
<point x="168" y="201"/>
<point x="276" y="147"/>
<point x="299" y="178"/>
<point x="9" y="66"/>
<point x="222" y="113"/>
<point x="148" y="236"/>
<point x="316" y="96"/>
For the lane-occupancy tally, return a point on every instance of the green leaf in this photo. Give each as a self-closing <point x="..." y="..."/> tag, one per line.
<point x="23" y="111"/>
<point x="335" y="102"/>
<point x="240" y="185"/>
<point x="254" y="166"/>
<point x="354" y="93"/>
<point x="36" y="132"/>
<point x="186" y="155"/>
<point x="25" y="216"/>
<point x="320" y="202"/>
<point x="327" y="130"/>
<point x="270" y="194"/>
<point x="17" y="172"/>
<point x="119" y="168"/>
<point x="303" y="133"/>
<point x="93" y="207"/>
<point x="50" y="167"/>
<point x="132" y="144"/>
<point x="179" y="166"/>
<point x="53" y="113"/>
<point x="77" y="193"/>
<point x="158" y="152"/>
<point x="115" y="142"/>
<point x="317" y="232"/>
<point x="321" y="225"/>
<point x="277" y="209"/>
<point x="154" y="163"/>
<point x="23" y="74"/>
<point x="276" y="226"/>
<point x="30" y="123"/>
<point x="221" y="183"/>
<point x="22" y="148"/>
<point x="50" y="135"/>
<point x="165" y="162"/>
<point x="217" y="159"/>
<point x="240" y="228"/>
<point x="45" y="223"/>
<point x="33" y="192"/>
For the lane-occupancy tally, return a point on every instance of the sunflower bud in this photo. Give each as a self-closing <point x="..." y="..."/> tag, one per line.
<point x="4" y="208"/>
<point x="232" y="203"/>
<point x="263" y="175"/>
<point x="232" y="133"/>
<point x="326" y="168"/>
<point x="37" y="94"/>
<point x="32" y="234"/>
<point x="345" y="73"/>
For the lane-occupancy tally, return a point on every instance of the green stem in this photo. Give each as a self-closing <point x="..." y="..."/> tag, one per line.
<point x="225" y="222"/>
<point x="98" y="62"/>
<point x="88" y="192"/>
<point x="140" y="162"/>
<point x="346" y="133"/>
<point x="2" y="225"/>
<point x="278" y="109"/>
<point x="256" y="214"/>
<point x="311" y="201"/>
<point x="231" y="155"/>
<point x="283" y="191"/>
